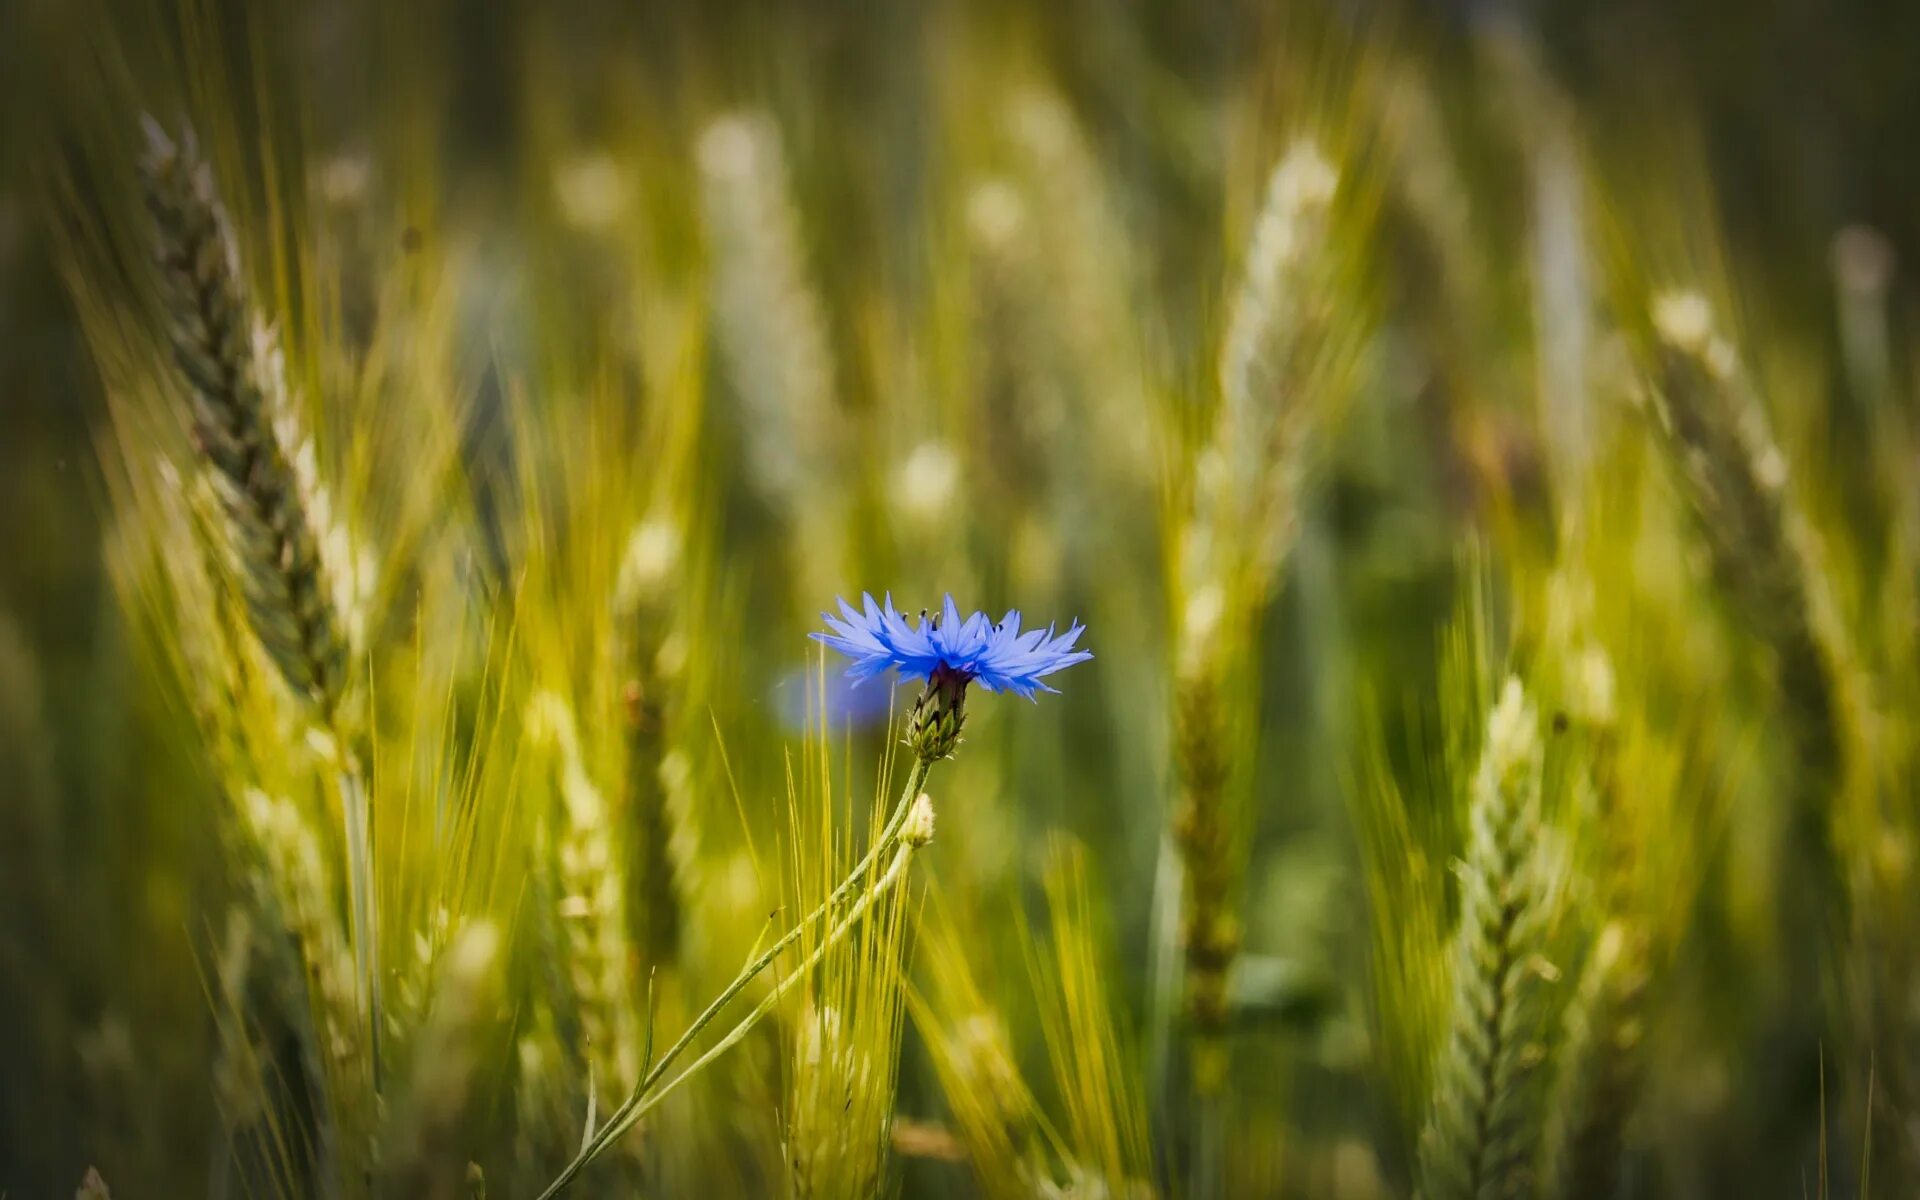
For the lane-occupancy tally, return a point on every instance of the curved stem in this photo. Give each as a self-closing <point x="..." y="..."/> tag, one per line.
<point x="623" y="1118"/>
<point x="616" y="1129"/>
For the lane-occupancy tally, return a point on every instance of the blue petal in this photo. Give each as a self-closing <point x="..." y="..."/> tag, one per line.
<point x="1003" y="657"/>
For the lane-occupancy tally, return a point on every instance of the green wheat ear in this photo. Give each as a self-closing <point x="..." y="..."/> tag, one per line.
<point x="591" y="880"/>
<point x="261" y="466"/>
<point x="1483" y="1126"/>
<point x="1284" y="375"/>
<point x="1764" y="553"/>
<point x="260" y="463"/>
<point x="1601" y="1067"/>
<point x="1768" y="561"/>
<point x="427" y="1132"/>
<point x="294" y="871"/>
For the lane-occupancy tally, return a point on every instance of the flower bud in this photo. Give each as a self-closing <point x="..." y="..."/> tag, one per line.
<point x="917" y="830"/>
<point x="933" y="727"/>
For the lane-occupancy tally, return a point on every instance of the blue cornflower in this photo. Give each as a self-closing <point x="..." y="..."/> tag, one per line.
<point x="999" y="655"/>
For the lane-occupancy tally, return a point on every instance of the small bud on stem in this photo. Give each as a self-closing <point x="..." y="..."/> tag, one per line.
<point x="918" y="829"/>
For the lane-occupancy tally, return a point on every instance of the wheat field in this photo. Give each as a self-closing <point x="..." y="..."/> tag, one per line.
<point x="957" y="598"/>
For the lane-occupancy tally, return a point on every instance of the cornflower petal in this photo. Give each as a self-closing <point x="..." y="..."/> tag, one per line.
<point x="1002" y="657"/>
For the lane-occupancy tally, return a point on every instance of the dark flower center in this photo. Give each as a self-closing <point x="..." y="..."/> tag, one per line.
<point x="949" y="682"/>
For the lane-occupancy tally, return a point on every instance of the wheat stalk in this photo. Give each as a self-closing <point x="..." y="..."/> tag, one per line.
<point x="1206" y="828"/>
<point x="296" y="872"/>
<point x="1768" y="561"/>
<point x="1107" y="1149"/>
<point x="262" y="470"/>
<point x="1282" y="373"/>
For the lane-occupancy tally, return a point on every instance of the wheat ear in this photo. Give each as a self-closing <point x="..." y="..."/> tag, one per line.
<point x="1483" y="1126"/>
<point x="262" y="469"/>
<point x="429" y="1144"/>
<point x="1601" y="1066"/>
<point x="243" y="425"/>
<point x="1766" y="559"/>
<point x="1281" y="373"/>
<point x="295" y="873"/>
<point x="653" y="645"/>
<point x="591" y="880"/>
<point x="1765" y="556"/>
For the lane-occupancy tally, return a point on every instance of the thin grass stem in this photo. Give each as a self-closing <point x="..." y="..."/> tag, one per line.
<point x="629" y="1112"/>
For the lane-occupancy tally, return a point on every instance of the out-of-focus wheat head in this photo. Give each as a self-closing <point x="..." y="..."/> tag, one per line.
<point x="1861" y="518"/>
<point x="1096" y="1140"/>
<point x="1602" y="1064"/>
<point x="591" y="904"/>
<point x="655" y="635"/>
<point x="773" y="339"/>
<point x="1772" y="567"/>
<point x="222" y="567"/>
<point x="1483" y="1124"/>
<point x="301" y="876"/>
<point x="1281" y="366"/>
<point x="999" y="1122"/>
<point x="1067" y="369"/>
<point x="253" y="606"/>
<point x="1885" y="828"/>
<point x="1631" y="669"/>
<point x="277" y="528"/>
<point x="428" y="1143"/>
<point x="843" y="1039"/>
<point x="1409" y="834"/>
<point x="1104" y="1126"/>
<point x="1286" y="370"/>
<point x="609" y="572"/>
<point x="655" y="629"/>
<point x="1764" y="553"/>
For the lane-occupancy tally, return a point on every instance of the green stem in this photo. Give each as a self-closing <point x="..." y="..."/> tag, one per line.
<point x="616" y="1129"/>
<point x="1209" y="1138"/>
<point x="638" y="1102"/>
<point x="363" y="914"/>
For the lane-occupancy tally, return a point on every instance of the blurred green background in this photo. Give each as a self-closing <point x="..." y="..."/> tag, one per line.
<point x="1788" y="126"/>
